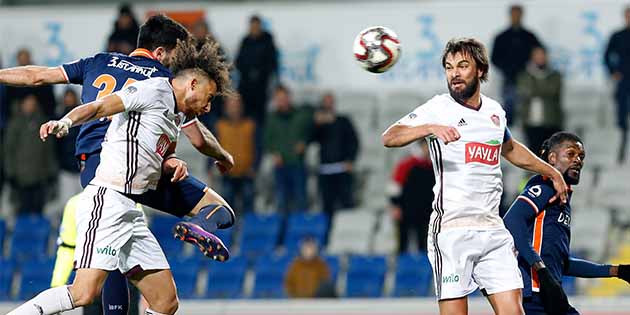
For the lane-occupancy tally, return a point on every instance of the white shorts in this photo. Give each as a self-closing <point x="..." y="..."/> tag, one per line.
<point x="464" y="260"/>
<point x="112" y="233"/>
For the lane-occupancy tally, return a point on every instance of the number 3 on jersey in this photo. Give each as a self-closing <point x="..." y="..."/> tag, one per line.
<point x="107" y="83"/>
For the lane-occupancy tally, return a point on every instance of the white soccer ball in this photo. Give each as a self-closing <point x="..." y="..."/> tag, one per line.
<point x="376" y="49"/>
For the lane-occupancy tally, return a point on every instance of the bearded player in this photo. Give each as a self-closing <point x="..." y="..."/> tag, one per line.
<point x="468" y="245"/>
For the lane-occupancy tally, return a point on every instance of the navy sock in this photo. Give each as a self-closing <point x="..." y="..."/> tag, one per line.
<point x="115" y="294"/>
<point x="213" y="217"/>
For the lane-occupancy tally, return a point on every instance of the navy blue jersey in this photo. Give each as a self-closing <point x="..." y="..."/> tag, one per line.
<point x="541" y="230"/>
<point x="101" y="75"/>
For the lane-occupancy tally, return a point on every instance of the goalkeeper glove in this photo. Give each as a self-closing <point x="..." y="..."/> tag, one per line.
<point x="553" y="298"/>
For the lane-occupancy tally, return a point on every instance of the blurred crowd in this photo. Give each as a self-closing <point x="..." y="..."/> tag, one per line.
<point x="264" y="122"/>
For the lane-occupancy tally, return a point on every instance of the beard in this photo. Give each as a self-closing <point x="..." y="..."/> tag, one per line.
<point x="570" y="180"/>
<point x="467" y="92"/>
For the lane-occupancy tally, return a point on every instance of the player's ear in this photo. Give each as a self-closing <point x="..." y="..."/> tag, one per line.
<point x="193" y="83"/>
<point x="552" y="157"/>
<point x="159" y="53"/>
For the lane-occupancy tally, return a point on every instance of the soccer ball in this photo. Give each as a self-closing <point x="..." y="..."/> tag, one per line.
<point x="376" y="49"/>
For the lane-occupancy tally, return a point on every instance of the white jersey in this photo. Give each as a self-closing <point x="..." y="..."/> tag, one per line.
<point x="468" y="184"/>
<point x="138" y="138"/>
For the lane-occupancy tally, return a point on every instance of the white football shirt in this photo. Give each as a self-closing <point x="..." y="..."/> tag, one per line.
<point x="468" y="178"/>
<point x="137" y="139"/>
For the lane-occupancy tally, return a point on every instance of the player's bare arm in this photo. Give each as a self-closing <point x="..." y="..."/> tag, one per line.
<point x="522" y="157"/>
<point x="400" y="135"/>
<point x="173" y="165"/>
<point x="32" y="76"/>
<point x="104" y="107"/>
<point x="206" y="143"/>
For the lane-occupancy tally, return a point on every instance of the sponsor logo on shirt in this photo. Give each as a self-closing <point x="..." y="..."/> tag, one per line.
<point x="162" y="145"/>
<point x="495" y="119"/>
<point x="125" y="65"/>
<point x="534" y="191"/>
<point x="484" y="153"/>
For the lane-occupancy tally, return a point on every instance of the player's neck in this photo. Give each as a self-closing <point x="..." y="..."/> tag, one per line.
<point x="473" y="102"/>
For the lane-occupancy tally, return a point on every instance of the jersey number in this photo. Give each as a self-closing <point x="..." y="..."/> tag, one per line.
<point x="107" y="83"/>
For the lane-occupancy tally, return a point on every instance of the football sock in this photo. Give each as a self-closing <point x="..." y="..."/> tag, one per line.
<point x="51" y="301"/>
<point x="213" y="217"/>
<point x="115" y="294"/>
<point x="149" y="311"/>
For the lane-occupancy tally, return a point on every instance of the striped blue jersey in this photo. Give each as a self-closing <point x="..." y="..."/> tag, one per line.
<point x="101" y="75"/>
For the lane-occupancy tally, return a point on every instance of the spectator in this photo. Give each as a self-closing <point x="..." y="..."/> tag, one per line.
<point x="45" y="95"/>
<point x="30" y="164"/>
<point x="412" y="200"/>
<point x="257" y="62"/>
<point x="236" y="134"/>
<point x="125" y="34"/>
<point x="539" y="94"/>
<point x="308" y="274"/>
<point x="339" y="147"/>
<point x="510" y="53"/>
<point x="617" y="59"/>
<point x="285" y="138"/>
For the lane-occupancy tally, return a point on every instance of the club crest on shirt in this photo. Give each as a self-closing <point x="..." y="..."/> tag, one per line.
<point x="162" y="145"/>
<point x="495" y="119"/>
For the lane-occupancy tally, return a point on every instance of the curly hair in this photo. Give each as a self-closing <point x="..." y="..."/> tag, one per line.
<point x="203" y="57"/>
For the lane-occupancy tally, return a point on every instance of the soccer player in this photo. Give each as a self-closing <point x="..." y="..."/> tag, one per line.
<point x="542" y="233"/>
<point x="111" y="232"/>
<point x="468" y="244"/>
<point x="105" y="73"/>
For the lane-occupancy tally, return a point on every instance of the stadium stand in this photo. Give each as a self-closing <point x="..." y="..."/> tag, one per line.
<point x="29" y="244"/>
<point x="36" y="275"/>
<point x="366" y="276"/>
<point x="300" y="225"/>
<point x="413" y="276"/>
<point x="259" y="234"/>
<point x="269" y="281"/>
<point x="226" y="280"/>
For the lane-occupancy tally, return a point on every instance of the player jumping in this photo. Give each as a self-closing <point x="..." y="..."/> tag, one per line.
<point x="112" y="233"/>
<point x="105" y="73"/>
<point x="467" y="132"/>
<point x="545" y="256"/>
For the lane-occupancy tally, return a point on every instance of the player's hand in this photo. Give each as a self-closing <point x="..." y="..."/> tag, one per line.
<point x="177" y="167"/>
<point x="553" y="298"/>
<point x="623" y="272"/>
<point x="562" y="190"/>
<point x="225" y="165"/>
<point x="60" y="128"/>
<point x="445" y="133"/>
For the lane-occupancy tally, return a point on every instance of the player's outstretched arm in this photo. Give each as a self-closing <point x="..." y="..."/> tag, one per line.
<point x="398" y="135"/>
<point x="587" y="269"/>
<point x="32" y="76"/>
<point x="522" y="157"/>
<point x="104" y="107"/>
<point x="206" y="143"/>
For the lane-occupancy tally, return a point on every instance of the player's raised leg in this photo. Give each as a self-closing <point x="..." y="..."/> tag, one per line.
<point x="163" y="300"/>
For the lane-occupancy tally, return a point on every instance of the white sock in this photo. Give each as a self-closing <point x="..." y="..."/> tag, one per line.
<point x="148" y="311"/>
<point x="51" y="301"/>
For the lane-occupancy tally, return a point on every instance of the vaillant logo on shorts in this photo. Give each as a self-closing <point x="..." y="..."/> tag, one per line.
<point x="452" y="278"/>
<point x="106" y="251"/>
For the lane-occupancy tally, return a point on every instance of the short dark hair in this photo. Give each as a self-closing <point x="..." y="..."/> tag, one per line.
<point x="517" y="7"/>
<point x="556" y="139"/>
<point x="282" y="88"/>
<point x="203" y="57"/>
<point x="472" y="48"/>
<point x="160" y="30"/>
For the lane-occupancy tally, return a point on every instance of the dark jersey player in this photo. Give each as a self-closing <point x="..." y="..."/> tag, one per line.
<point x="105" y="73"/>
<point x="542" y="233"/>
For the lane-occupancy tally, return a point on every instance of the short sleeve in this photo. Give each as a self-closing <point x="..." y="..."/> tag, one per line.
<point x="537" y="195"/>
<point x="138" y="96"/>
<point x="507" y="135"/>
<point x="75" y="71"/>
<point x="189" y="122"/>
<point x="420" y="116"/>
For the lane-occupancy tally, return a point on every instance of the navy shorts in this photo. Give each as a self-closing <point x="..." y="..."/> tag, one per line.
<point x="174" y="198"/>
<point x="533" y="306"/>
